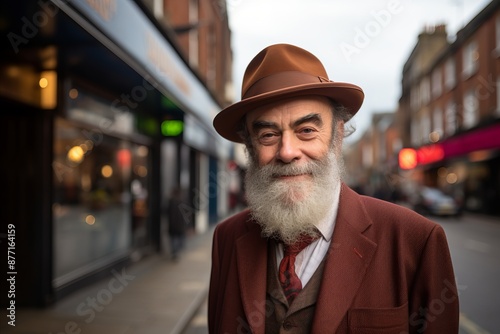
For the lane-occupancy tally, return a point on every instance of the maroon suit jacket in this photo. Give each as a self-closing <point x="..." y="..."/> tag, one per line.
<point x="388" y="270"/>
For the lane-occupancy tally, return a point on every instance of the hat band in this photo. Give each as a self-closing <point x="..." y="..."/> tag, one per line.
<point x="281" y="80"/>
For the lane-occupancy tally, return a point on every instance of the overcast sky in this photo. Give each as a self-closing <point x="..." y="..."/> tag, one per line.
<point x="364" y="42"/>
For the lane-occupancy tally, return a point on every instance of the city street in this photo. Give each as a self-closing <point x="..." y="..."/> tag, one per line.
<point x="474" y="242"/>
<point x="475" y="249"/>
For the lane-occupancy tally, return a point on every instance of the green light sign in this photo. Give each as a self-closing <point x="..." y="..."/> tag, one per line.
<point x="172" y="128"/>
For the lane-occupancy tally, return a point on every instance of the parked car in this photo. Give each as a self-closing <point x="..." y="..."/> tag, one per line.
<point x="433" y="201"/>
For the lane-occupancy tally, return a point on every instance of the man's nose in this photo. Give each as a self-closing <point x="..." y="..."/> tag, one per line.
<point x="289" y="149"/>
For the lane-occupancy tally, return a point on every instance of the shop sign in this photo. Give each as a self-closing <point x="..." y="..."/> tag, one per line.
<point x="127" y="26"/>
<point x="472" y="143"/>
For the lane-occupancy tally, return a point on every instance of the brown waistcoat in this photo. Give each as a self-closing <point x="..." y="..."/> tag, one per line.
<point x="296" y="318"/>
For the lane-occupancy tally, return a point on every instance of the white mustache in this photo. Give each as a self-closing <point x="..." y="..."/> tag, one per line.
<point x="311" y="168"/>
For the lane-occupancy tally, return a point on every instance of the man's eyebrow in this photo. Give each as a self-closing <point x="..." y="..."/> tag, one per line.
<point x="258" y="125"/>
<point x="313" y="118"/>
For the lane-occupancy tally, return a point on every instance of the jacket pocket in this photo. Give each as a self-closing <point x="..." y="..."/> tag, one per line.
<point x="379" y="321"/>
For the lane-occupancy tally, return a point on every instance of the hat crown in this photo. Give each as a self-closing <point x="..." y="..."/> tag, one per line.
<point x="281" y="58"/>
<point x="278" y="72"/>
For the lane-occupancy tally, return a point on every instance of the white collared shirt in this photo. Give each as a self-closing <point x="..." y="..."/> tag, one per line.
<point x="310" y="258"/>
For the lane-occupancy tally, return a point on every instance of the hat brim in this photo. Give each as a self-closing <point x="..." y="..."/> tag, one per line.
<point x="226" y="122"/>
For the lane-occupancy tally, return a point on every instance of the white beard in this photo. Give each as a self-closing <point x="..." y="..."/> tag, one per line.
<point x="287" y="209"/>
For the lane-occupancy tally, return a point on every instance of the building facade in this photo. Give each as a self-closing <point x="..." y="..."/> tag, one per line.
<point x="450" y="109"/>
<point x="106" y="111"/>
<point x="372" y="160"/>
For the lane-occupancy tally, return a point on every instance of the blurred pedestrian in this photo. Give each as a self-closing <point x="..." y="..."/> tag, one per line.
<point x="310" y="255"/>
<point x="177" y="222"/>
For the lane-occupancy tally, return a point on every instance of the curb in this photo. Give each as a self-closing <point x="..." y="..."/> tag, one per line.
<point x="186" y="318"/>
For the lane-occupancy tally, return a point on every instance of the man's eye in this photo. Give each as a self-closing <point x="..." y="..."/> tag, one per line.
<point x="267" y="138"/>
<point x="307" y="132"/>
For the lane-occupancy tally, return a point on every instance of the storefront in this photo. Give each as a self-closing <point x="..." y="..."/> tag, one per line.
<point x="466" y="166"/>
<point x="89" y="94"/>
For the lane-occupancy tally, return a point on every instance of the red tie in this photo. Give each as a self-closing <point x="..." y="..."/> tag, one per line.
<point x="289" y="280"/>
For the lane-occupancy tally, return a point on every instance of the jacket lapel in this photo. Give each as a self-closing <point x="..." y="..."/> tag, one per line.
<point x="347" y="260"/>
<point x="251" y="257"/>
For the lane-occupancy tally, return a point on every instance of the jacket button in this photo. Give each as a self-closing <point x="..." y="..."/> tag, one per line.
<point x="287" y="325"/>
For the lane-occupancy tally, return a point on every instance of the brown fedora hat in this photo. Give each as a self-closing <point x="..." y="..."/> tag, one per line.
<point x="283" y="71"/>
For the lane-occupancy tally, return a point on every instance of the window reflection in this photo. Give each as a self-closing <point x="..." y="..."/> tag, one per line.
<point x="100" y="200"/>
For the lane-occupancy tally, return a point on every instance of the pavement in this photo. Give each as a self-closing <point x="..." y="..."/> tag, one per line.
<point x="153" y="295"/>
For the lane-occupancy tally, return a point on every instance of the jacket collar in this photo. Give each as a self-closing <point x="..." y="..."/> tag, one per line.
<point x="349" y="256"/>
<point x="251" y="261"/>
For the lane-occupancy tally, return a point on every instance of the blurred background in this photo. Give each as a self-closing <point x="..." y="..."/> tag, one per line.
<point x="107" y="106"/>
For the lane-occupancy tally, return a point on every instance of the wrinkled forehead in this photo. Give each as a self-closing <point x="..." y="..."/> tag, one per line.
<point x="289" y="110"/>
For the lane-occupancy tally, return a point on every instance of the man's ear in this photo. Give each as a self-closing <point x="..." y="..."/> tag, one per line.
<point x="338" y="138"/>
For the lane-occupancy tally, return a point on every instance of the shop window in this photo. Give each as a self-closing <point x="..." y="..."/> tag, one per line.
<point x="99" y="200"/>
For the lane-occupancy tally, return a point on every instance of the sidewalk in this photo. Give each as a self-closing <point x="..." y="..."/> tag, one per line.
<point x="155" y="295"/>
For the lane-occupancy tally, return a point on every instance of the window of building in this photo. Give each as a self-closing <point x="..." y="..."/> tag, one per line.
<point x="437" y="121"/>
<point x="414" y="98"/>
<point x="397" y="145"/>
<point x="416" y="132"/>
<point x="193" y="38"/>
<point x="470" y="109"/>
<point x="425" y="127"/>
<point x="437" y="87"/>
<point x="497" y="35"/>
<point x="367" y="155"/>
<point x="100" y="203"/>
<point x="450" y="118"/>
<point x="470" y="59"/>
<point x="497" y="88"/>
<point x="425" y="91"/>
<point x="449" y="74"/>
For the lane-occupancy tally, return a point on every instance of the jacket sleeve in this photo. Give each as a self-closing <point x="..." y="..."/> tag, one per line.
<point x="213" y="292"/>
<point x="434" y="307"/>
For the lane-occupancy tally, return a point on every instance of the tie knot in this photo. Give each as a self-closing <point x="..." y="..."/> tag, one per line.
<point x="299" y="245"/>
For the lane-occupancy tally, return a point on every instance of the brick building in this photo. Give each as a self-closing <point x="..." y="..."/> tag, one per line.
<point x="450" y="108"/>
<point x="203" y="36"/>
